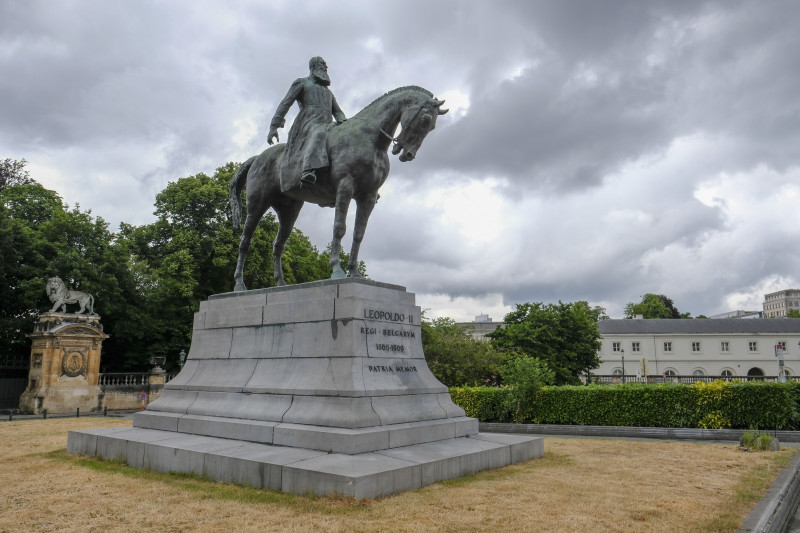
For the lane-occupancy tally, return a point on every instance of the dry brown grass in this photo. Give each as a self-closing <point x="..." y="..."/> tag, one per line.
<point x="580" y="485"/>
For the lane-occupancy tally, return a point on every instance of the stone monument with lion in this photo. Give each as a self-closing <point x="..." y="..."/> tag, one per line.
<point x="60" y="295"/>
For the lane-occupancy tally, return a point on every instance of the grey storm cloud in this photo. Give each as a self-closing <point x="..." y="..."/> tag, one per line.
<point x="608" y="149"/>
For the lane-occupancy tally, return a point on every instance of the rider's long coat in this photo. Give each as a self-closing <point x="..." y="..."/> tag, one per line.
<point x="306" y="147"/>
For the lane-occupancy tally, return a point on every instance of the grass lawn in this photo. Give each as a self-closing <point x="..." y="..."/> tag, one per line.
<point x="579" y="485"/>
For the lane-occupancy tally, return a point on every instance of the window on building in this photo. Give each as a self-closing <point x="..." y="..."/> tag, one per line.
<point x="727" y="374"/>
<point x="617" y="372"/>
<point x="667" y="346"/>
<point x="635" y="346"/>
<point x="616" y="346"/>
<point x="785" y="373"/>
<point x="753" y="345"/>
<point x="698" y="372"/>
<point x="724" y="346"/>
<point x="670" y="373"/>
<point x="696" y="346"/>
<point x="782" y="344"/>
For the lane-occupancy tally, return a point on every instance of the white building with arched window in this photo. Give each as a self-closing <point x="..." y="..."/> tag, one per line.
<point x="699" y="347"/>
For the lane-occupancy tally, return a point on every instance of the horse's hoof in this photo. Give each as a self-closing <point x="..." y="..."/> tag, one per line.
<point x="354" y="273"/>
<point x="240" y="287"/>
<point x="280" y="283"/>
<point x="338" y="273"/>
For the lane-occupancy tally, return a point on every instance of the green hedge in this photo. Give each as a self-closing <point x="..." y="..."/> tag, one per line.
<point x="717" y="405"/>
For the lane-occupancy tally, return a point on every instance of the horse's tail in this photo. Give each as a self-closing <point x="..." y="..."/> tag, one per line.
<point x="237" y="184"/>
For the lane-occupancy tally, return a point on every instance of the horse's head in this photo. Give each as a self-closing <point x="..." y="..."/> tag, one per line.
<point x="416" y="122"/>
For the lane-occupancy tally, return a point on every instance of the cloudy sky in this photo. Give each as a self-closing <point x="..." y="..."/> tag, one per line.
<point x="593" y="150"/>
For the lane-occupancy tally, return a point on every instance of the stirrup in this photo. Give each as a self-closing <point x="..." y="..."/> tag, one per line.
<point x="309" y="177"/>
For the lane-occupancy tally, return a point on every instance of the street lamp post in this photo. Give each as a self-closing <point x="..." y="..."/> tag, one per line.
<point x="622" y="350"/>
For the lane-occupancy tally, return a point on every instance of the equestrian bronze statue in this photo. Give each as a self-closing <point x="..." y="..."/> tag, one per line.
<point x="357" y="166"/>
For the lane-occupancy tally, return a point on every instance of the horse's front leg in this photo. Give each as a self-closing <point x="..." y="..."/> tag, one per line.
<point x="344" y="193"/>
<point x="364" y="208"/>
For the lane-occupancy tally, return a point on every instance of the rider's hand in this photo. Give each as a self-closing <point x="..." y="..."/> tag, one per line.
<point x="273" y="132"/>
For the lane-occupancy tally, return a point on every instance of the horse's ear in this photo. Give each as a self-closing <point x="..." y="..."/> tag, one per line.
<point x="438" y="105"/>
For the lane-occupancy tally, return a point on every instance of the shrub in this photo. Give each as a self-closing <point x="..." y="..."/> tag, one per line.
<point x="755" y="405"/>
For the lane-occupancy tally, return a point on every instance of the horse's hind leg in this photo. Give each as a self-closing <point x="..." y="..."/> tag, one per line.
<point x="256" y="207"/>
<point x="364" y="207"/>
<point x="344" y="193"/>
<point x="287" y="211"/>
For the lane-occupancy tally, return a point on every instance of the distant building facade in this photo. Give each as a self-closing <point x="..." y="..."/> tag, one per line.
<point x="728" y="347"/>
<point x="481" y="327"/>
<point x="776" y="304"/>
<point x="739" y="314"/>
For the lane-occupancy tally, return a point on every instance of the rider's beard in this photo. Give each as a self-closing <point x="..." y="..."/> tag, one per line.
<point x="321" y="76"/>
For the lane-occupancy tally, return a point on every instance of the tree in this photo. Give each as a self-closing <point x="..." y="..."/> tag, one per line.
<point x="654" y="306"/>
<point x="792" y="313"/>
<point x="457" y="359"/>
<point x="40" y="238"/>
<point x="565" y="336"/>
<point x="13" y="172"/>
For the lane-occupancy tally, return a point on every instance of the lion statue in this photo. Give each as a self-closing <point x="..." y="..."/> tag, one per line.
<point x="61" y="296"/>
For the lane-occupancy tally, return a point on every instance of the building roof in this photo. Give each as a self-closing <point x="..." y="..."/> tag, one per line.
<point x="689" y="326"/>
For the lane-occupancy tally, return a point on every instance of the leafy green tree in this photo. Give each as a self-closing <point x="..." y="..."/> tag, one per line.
<point x="792" y="313"/>
<point x="564" y="335"/>
<point x="526" y="375"/>
<point x="455" y="358"/>
<point x="12" y="172"/>
<point x="654" y="306"/>
<point x="40" y="238"/>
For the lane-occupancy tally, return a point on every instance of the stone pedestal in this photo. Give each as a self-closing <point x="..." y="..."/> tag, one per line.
<point x="316" y="387"/>
<point x="65" y="364"/>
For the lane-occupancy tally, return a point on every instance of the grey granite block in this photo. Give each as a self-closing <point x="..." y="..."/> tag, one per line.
<point x="360" y="476"/>
<point x="199" y="321"/>
<point x="521" y="449"/>
<point x="392" y="376"/>
<point x="293" y="376"/>
<point x="235" y="317"/>
<point x="184" y="453"/>
<point x="161" y="420"/>
<point x="85" y="442"/>
<point x="452" y="458"/>
<point x="332" y="411"/>
<point x="465" y="426"/>
<point x="183" y="377"/>
<point x="221" y="375"/>
<point x="371" y="292"/>
<point x="451" y="408"/>
<point x="228" y="428"/>
<point x="303" y="293"/>
<point x="327" y="439"/>
<point x="378" y="310"/>
<point x="246" y="299"/>
<point x="173" y="401"/>
<point x="254" y="465"/>
<point x="327" y="338"/>
<point x="413" y="408"/>
<point x="241" y="405"/>
<point x="292" y="312"/>
<point x="211" y="344"/>
<point x="263" y="341"/>
<point x="420" y="432"/>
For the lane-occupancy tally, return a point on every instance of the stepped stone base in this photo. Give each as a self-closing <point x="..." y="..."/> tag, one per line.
<point x="321" y="386"/>
<point x="301" y="470"/>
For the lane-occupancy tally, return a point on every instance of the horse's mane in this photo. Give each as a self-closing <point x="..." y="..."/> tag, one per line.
<point x="395" y="91"/>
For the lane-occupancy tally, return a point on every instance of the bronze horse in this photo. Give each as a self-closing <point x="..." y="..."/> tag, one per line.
<point x="359" y="166"/>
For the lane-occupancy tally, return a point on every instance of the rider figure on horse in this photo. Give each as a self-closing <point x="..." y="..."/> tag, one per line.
<point x="306" y="148"/>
